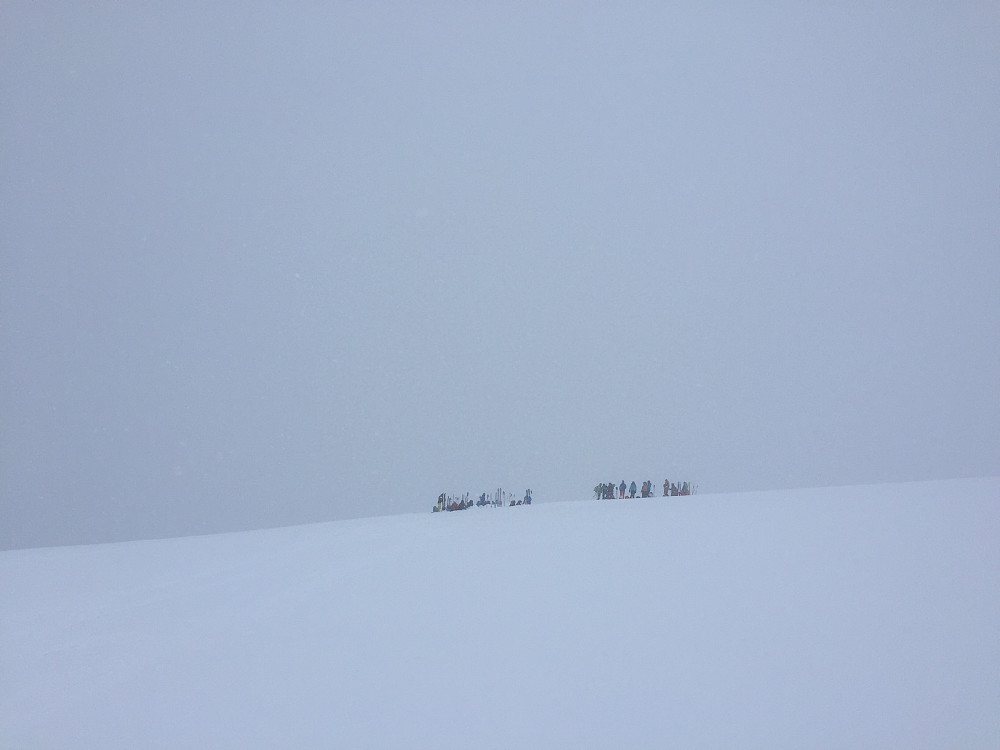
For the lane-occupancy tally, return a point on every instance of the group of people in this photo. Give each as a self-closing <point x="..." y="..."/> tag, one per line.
<point x="496" y="499"/>
<point x="501" y="498"/>
<point x="670" y="489"/>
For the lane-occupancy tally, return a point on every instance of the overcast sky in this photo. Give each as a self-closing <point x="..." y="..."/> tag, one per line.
<point x="277" y="263"/>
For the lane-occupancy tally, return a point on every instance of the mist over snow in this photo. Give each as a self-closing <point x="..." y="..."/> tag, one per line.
<point x="266" y="265"/>
<point x="852" y="617"/>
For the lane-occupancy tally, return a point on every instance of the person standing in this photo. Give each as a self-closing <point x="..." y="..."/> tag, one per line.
<point x="621" y="490"/>
<point x="632" y="489"/>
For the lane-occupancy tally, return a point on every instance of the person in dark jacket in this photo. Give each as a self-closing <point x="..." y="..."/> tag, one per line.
<point x="632" y="489"/>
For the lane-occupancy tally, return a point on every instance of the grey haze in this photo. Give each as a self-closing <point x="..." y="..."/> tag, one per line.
<point x="272" y="263"/>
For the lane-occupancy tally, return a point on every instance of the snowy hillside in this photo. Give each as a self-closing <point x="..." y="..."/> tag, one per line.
<point x="831" y="618"/>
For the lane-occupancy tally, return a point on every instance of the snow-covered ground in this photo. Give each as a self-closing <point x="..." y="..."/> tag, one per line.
<point x="860" y="617"/>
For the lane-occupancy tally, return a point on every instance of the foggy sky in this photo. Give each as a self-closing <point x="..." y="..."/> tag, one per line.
<point x="267" y="263"/>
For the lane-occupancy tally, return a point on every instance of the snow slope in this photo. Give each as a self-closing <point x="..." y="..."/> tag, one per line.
<point x="857" y="617"/>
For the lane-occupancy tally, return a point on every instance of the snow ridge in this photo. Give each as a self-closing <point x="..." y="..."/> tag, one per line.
<point x="839" y="617"/>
